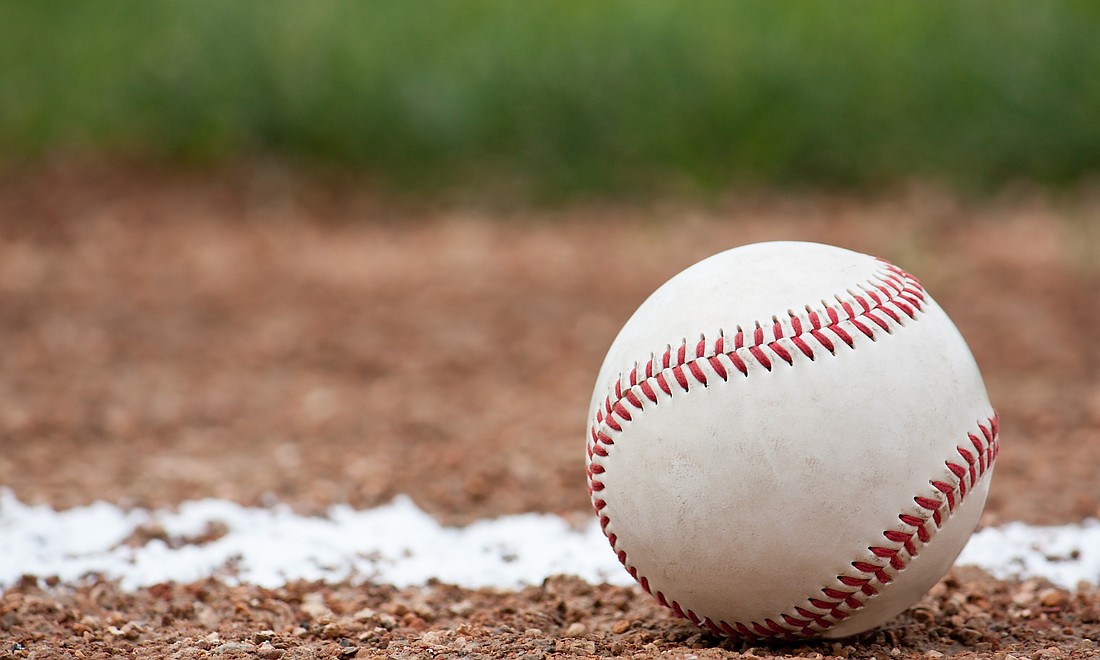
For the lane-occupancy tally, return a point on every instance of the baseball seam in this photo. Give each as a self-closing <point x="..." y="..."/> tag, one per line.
<point x="879" y="305"/>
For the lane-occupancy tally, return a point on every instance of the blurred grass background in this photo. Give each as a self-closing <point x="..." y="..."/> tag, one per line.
<point x="564" y="98"/>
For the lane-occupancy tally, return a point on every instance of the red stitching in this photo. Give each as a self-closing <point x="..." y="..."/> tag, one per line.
<point x="712" y="626"/>
<point x="863" y="328"/>
<point x="895" y="288"/>
<point x="823" y="340"/>
<point x="863" y="584"/>
<point x="783" y="354"/>
<point x="738" y="363"/>
<point x="876" y="320"/>
<point x="803" y="346"/>
<point x="678" y="374"/>
<point x="891" y="313"/>
<point x="758" y="353"/>
<point x="696" y="371"/>
<point x="927" y="503"/>
<point x="718" y="367"/>
<point x="844" y="336"/>
<point x="874" y="569"/>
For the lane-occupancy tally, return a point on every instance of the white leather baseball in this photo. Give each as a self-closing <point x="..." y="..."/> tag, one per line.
<point x="789" y="440"/>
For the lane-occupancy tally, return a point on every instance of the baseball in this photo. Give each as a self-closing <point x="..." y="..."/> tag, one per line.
<point x="789" y="440"/>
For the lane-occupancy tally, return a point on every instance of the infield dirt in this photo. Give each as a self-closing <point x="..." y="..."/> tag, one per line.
<point x="262" y="337"/>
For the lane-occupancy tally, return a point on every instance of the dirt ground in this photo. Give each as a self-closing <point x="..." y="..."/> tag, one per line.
<point x="262" y="336"/>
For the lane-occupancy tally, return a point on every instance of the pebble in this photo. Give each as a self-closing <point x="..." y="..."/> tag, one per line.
<point x="313" y="606"/>
<point x="575" y="630"/>
<point x="269" y="652"/>
<point x="387" y="621"/>
<point x="1052" y="598"/>
<point x="235" y="647"/>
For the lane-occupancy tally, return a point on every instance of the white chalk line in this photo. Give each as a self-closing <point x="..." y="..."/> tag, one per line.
<point x="401" y="545"/>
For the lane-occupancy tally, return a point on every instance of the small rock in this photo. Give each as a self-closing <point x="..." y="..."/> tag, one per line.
<point x="1023" y="599"/>
<point x="968" y="636"/>
<point x="621" y="626"/>
<point x="269" y="652"/>
<point x="933" y="654"/>
<point x="387" y="621"/>
<point x="1051" y="598"/>
<point x="313" y="606"/>
<point x="434" y="637"/>
<point x="90" y="622"/>
<point x="129" y="630"/>
<point x="411" y="620"/>
<point x="235" y="647"/>
<point x="205" y="643"/>
<point x="263" y="636"/>
<point x="585" y="646"/>
<point x="463" y="644"/>
<point x="575" y="630"/>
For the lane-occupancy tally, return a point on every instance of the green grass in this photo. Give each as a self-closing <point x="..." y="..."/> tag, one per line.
<point x="567" y="97"/>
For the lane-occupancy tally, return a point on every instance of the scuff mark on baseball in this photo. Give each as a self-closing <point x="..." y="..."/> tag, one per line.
<point x="789" y="440"/>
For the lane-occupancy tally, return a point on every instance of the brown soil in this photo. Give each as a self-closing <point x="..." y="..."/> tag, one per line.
<point x="257" y="336"/>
